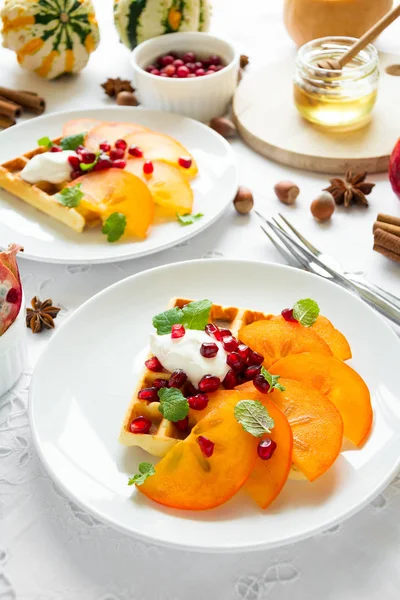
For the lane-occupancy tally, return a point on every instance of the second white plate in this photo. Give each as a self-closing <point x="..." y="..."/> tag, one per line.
<point x="46" y="240"/>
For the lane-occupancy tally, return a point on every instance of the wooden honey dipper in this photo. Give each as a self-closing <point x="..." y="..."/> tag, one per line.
<point x="331" y="64"/>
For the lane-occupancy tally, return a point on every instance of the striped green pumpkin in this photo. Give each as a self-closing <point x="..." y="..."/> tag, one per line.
<point x="50" y="37"/>
<point x="139" y="20"/>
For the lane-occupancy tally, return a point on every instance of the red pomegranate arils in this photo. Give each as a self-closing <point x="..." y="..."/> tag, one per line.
<point x="160" y="383"/>
<point x="255" y="358"/>
<point x="153" y="364"/>
<point x="206" y="446"/>
<point x="183" y="424"/>
<point x="105" y="146"/>
<point x="177" y="331"/>
<point x="148" y="167"/>
<point x="235" y="361"/>
<point x="119" y="164"/>
<point x="149" y="394"/>
<point x="266" y="449"/>
<point x="121" y="145"/>
<point x="229" y="343"/>
<point x="190" y="390"/>
<point x="74" y="161"/>
<point x="185" y="162"/>
<point x="243" y="351"/>
<point x="261" y="384"/>
<point x="140" y="425"/>
<point x="177" y="379"/>
<point x="209" y="383"/>
<point x="135" y="151"/>
<point x="198" y="402"/>
<point x="230" y="380"/>
<point x="209" y="349"/>
<point x="251" y="372"/>
<point x="287" y="314"/>
<point x="211" y="329"/>
<point x="117" y="153"/>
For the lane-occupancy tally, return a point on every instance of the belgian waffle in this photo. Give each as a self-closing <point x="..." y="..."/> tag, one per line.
<point x="164" y="434"/>
<point x="39" y="195"/>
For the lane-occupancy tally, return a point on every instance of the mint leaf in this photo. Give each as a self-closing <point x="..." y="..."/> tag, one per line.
<point x="71" y="142"/>
<point x="253" y="417"/>
<point x="145" y="470"/>
<point x="114" y="226"/>
<point x="45" y="142"/>
<point x="70" y="196"/>
<point x="189" y="219"/>
<point x="163" y="322"/>
<point x="196" y="315"/>
<point x="272" y="380"/>
<point x="306" y="311"/>
<point x="173" y="404"/>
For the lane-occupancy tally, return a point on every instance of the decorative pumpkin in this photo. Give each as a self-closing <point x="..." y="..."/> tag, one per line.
<point x="139" y="20"/>
<point x="50" y="37"/>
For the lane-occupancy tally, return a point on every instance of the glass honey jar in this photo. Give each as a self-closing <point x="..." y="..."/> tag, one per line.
<point x="336" y="100"/>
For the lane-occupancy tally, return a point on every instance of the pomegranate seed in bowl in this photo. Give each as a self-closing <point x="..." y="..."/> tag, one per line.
<point x="166" y="60"/>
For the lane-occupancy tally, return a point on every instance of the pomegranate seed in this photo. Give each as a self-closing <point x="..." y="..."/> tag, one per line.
<point x="178" y="63"/>
<point x="102" y="164"/>
<point x="212" y="67"/>
<point x="182" y="72"/>
<point x="221" y="333"/>
<point x="164" y="75"/>
<point x="80" y="149"/>
<point x="198" y="64"/>
<point x="140" y="425"/>
<point x="235" y="361"/>
<point x="117" y="153"/>
<point x="177" y="379"/>
<point x="150" y="68"/>
<point x="87" y="157"/>
<point x="199" y="72"/>
<point x="189" y="57"/>
<point x="251" y="372"/>
<point x="121" y="145"/>
<point x="135" y="151"/>
<point x="255" y="358"/>
<point x="210" y="329"/>
<point x="165" y="60"/>
<point x="190" y="390"/>
<point x="153" y="364"/>
<point x="105" y="146"/>
<point x="229" y="343"/>
<point x="183" y="424"/>
<point x="191" y="66"/>
<point x="266" y="449"/>
<point x="209" y="73"/>
<point x="287" y="314"/>
<point x="218" y="68"/>
<point x="169" y="70"/>
<point x="149" y="394"/>
<point x="12" y="296"/>
<point x="215" y="59"/>
<point x="76" y="174"/>
<point x="198" y="402"/>
<point x="160" y="383"/>
<point x="185" y="162"/>
<point x="177" y="331"/>
<point x="206" y="446"/>
<point x="119" y="164"/>
<point x="243" y="351"/>
<point x="74" y="162"/>
<point x="155" y="72"/>
<point x="209" y="349"/>
<point x="209" y="383"/>
<point x="261" y="384"/>
<point x="56" y="149"/>
<point x="175" y="75"/>
<point x="230" y="381"/>
<point x="148" y="167"/>
<point x="191" y="75"/>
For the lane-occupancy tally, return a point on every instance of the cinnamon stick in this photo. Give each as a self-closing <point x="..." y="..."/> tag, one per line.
<point x="387" y="240"/>
<point x="386" y="227"/>
<point x="387" y="253"/>
<point x="388" y="219"/>
<point x="6" y="122"/>
<point x="9" y="109"/>
<point x="28" y="100"/>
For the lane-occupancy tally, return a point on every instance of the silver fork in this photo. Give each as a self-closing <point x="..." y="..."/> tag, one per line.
<point x="310" y="260"/>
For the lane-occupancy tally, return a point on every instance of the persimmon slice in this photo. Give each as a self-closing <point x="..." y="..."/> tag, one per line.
<point x="337" y="381"/>
<point x="333" y="337"/>
<point x="80" y="126"/>
<point x="276" y="338"/>
<point x="186" y="479"/>
<point x="158" y="146"/>
<point x="316" y="425"/>
<point x="111" y="132"/>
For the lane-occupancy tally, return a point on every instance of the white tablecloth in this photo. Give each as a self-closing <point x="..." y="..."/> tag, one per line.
<point x="49" y="548"/>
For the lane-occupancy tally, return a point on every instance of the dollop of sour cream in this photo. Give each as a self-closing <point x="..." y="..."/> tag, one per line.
<point x="184" y="353"/>
<point x="49" y="166"/>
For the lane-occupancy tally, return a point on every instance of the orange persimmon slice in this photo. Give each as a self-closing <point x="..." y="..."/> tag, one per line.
<point x="338" y="382"/>
<point x="333" y="337"/>
<point x="275" y="338"/>
<point x="316" y="425"/>
<point x="80" y="126"/>
<point x="111" y="132"/>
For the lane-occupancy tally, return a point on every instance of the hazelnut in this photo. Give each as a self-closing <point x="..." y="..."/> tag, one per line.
<point x="127" y="99"/>
<point x="323" y="206"/>
<point x="243" y="200"/>
<point x="223" y="126"/>
<point x="287" y="191"/>
<point x="244" y="61"/>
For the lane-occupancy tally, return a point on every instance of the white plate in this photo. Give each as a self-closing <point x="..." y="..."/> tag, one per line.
<point x="45" y="239"/>
<point x="84" y="380"/>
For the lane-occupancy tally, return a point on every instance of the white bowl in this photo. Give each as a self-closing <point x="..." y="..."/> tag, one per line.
<point x="201" y="98"/>
<point x="13" y="352"/>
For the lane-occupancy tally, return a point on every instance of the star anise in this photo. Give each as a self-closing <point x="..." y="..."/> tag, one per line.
<point x="351" y="190"/>
<point x="113" y="87"/>
<point x="41" y="315"/>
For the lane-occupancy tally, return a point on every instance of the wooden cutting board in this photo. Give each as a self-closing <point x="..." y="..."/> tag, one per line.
<point x="268" y="121"/>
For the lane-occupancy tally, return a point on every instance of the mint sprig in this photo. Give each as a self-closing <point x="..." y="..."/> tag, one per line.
<point x="272" y="380"/>
<point x="114" y="226"/>
<point x="189" y="219"/>
<point x="253" y="417"/>
<point x="70" y="196"/>
<point x="194" y="315"/>
<point x="45" y="142"/>
<point x="71" y="142"/>
<point x="145" y="470"/>
<point x="173" y="404"/>
<point x="306" y="311"/>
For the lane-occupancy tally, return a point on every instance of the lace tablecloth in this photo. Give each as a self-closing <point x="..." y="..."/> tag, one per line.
<point x="49" y="548"/>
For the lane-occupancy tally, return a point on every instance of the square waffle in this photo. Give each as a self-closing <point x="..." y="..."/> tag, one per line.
<point x="40" y="195"/>
<point x="164" y="434"/>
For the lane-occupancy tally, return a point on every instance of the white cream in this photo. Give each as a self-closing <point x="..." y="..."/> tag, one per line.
<point x="184" y="353"/>
<point x="49" y="166"/>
